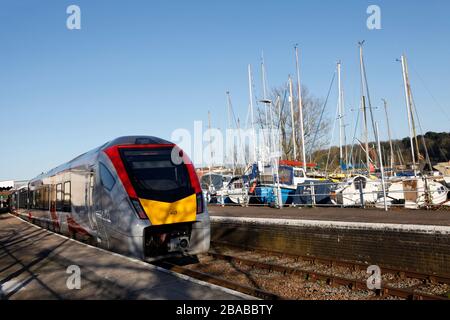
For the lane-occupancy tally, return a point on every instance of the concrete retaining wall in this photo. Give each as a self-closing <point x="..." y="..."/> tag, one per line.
<point x="410" y="247"/>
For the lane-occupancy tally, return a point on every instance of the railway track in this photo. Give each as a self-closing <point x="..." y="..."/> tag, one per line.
<point x="332" y="262"/>
<point x="209" y="270"/>
<point x="258" y="293"/>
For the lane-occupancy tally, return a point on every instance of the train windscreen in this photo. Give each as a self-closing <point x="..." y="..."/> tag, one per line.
<point x="154" y="176"/>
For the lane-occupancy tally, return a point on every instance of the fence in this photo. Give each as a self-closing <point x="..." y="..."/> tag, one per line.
<point x="415" y="193"/>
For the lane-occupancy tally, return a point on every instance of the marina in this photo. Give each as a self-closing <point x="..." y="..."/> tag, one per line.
<point x="277" y="178"/>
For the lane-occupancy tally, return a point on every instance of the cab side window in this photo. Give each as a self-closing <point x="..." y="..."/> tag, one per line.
<point x="106" y="178"/>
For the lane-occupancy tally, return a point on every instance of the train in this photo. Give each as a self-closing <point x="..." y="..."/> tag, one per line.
<point x="135" y="195"/>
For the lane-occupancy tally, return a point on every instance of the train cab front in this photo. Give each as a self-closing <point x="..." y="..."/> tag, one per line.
<point x="164" y="189"/>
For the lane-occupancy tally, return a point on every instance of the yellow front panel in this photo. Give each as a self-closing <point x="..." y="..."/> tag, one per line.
<point x="159" y="213"/>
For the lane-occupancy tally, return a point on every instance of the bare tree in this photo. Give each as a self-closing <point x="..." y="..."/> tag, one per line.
<point x="316" y="128"/>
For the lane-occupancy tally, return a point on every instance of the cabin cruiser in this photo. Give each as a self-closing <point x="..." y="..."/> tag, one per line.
<point x="269" y="185"/>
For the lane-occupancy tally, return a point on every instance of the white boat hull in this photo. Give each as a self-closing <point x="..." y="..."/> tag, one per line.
<point x="415" y="193"/>
<point x="351" y="194"/>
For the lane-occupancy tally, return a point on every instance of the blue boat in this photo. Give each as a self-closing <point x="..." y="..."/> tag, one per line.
<point x="314" y="192"/>
<point x="266" y="189"/>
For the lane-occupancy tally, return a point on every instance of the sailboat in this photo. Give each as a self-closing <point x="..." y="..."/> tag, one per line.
<point x="292" y="174"/>
<point x="236" y="191"/>
<point x="265" y="179"/>
<point x="219" y="185"/>
<point x="419" y="190"/>
<point x="359" y="189"/>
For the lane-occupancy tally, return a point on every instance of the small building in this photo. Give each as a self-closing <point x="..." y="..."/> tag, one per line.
<point x="6" y="189"/>
<point x="6" y="185"/>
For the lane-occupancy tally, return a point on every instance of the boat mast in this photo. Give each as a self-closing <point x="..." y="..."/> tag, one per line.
<point x="250" y="89"/>
<point x="389" y="133"/>
<point x="229" y="127"/>
<point x="291" y="100"/>
<point x="240" y="141"/>
<point x="273" y="161"/>
<point x="400" y="156"/>
<point x="346" y="159"/>
<point x="363" y="106"/>
<point x="300" y="107"/>
<point x="380" y="156"/>
<point x="210" y="145"/>
<point x="408" y="111"/>
<point x="280" y="137"/>
<point x="265" y="101"/>
<point x="263" y="74"/>
<point x="419" y="156"/>
<point x="341" y="135"/>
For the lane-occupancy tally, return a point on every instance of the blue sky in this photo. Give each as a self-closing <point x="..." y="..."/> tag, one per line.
<point x="149" y="67"/>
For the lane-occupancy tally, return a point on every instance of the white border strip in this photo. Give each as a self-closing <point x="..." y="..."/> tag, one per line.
<point x="428" y="229"/>
<point x="146" y="264"/>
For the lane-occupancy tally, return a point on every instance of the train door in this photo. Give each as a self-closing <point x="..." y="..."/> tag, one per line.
<point x="90" y="186"/>
<point x="101" y="212"/>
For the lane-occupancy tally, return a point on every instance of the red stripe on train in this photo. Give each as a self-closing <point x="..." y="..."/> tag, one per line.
<point x="114" y="156"/>
<point x="75" y="227"/>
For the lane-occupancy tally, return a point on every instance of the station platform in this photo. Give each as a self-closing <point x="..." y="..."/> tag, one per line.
<point x="34" y="264"/>
<point x="394" y="216"/>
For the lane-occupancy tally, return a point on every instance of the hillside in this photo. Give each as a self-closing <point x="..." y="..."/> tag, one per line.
<point x="438" y="146"/>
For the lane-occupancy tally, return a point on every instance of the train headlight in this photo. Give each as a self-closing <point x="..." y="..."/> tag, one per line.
<point x="200" y="203"/>
<point x="139" y="210"/>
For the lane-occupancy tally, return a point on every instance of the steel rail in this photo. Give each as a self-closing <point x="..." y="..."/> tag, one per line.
<point x="334" y="262"/>
<point x="258" y="293"/>
<point x="353" y="284"/>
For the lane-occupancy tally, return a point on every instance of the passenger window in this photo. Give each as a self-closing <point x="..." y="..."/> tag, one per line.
<point x="107" y="178"/>
<point x="45" y="197"/>
<point x="59" y="197"/>
<point x="67" y="192"/>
